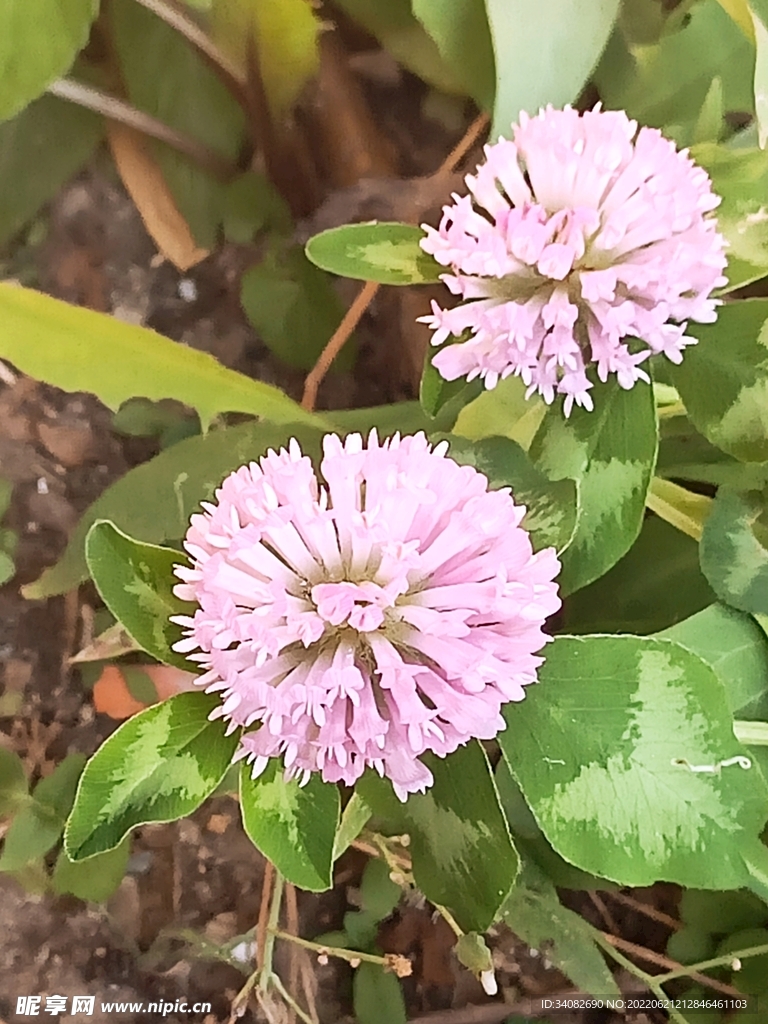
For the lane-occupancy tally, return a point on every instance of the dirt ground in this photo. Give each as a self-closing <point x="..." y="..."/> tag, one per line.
<point x="194" y="886"/>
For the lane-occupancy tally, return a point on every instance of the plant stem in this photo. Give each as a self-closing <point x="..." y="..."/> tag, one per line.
<point x="450" y="920"/>
<point x="290" y="1000"/>
<point x="648" y="979"/>
<point x="368" y="292"/>
<point x="718" y="961"/>
<point x="118" y="110"/>
<point x="680" y="507"/>
<point x="350" y="955"/>
<point x="753" y="734"/>
<point x="267" y="974"/>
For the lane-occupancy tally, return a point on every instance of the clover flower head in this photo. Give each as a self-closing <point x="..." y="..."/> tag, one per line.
<point x="583" y="242"/>
<point x="389" y="610"/>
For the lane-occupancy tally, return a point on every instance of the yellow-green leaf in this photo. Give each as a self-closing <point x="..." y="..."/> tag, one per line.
<point x="79" y="350"/>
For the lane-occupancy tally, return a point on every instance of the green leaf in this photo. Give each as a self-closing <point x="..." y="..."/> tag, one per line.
<point x="95" y="879"/>
<point x="667" y="82"/>
<point x="403" y="36"/>
<point x="436" y="394"/>
<point x="66" y="346"/>
<point x="377" y="997"/>
<point x="294" y="826"/>
<point x="31" y="834"/>
<point x="720" y="913"/>
<point x="684" y="454"/>
<point x="379" y="895"/>
<point x="611" y="453"/>
<point x="552" y="508"/>
<point x="7" y="567"/>
<point x="734" y="549"/>
<point x="472" y="951"/>
<point x="354" y="818"/>
<point x="283" y="34"/>
<point x="723" y="380"/>
<point x="603" y="749"/>
<point x="461" y="33"/>
<point x="503" y="410"/>
<point x="39" y="43"/>
<point x="28" y="177"/>
<point x="177" y="480"/>
<point x="531" y="841"/>
<point x="656" y="584"/>
<point x="406" y="417"/>
<point x="13" y="781"/>
<point x="535" y="914"/>
<point x="38" y="825"/>
<point x="293" y="307"/>
<point x="385" y="252"/>
<point x="545" y="50"/>
<point x="136" y="582"/>
<point x="167" y="78"/>
<point x="463" y="857"/>
<point x="734" y="646"/>
<point x="740" y="177"/>
<point x="252" y="204"/>
<point x="158" y="766"/>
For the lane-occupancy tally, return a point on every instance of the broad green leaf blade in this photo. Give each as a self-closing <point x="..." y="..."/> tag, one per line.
<point x="656" y="584"/>
<point x="377" y="997"/>
<point x="177" y="479"/>
<point x="136" y="582"/>
<point x="158" y="766"/>
<point x="460" y="30"/>
<point x="611" y="453"/>
<point x="385" y="252"/>
<point x="723" y="380"/>
<point x="685" y="454"/>
<point x="503" y="410"/>
<point x="545" y="50"/>
<point x="253" y="204"/>
<point x="293" y="306"/>
<point x="405" y="417"/>
<point x="95" y="879"/>
<point x="39" y="43"/>
<point x="665" y="84"/>
<point x="28" y="177"/>
<point x="620" y="753"/>
<point x="734" y="549"/>
<point x="535" y="914"/>
<point x="77" y="349"/>
<point x="38" y="825"/>
<point x="31" y="834"/>
<point x="734" y="646"/>
<point x="740" y="177"/>
<point x="552" y="507"/>
<point x="531" y="841"/>
<point x="294" y="826"/>
<point x="167" y="78"/>
<point x="463" y="856"/>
